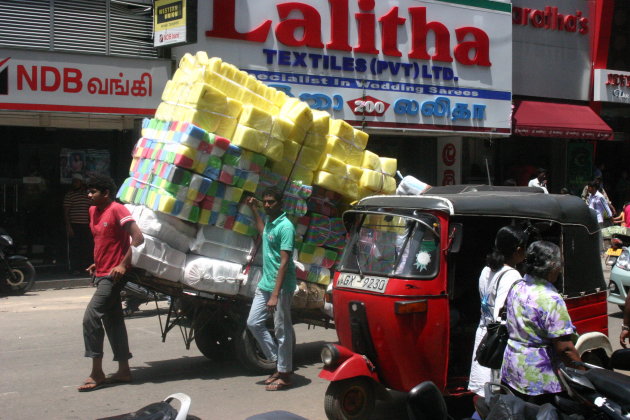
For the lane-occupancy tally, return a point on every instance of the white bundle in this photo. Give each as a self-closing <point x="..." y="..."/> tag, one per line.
<point x="411" y="186"/>
<point x="250" y="281"/>
<point x="175" y="232"/>
<point x="159" y="259"/>
<point x="210" y="275"/>
<point x="222" y="244"/>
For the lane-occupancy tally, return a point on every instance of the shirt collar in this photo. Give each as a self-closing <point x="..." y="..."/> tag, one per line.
<point x="283" y="215"/>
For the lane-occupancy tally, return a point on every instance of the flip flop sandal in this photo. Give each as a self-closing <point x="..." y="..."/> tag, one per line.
<point x="271" y="379"/>
<point x="96" y="386"/>
<point x="111" y="379"/>
<point x="278" y="385"/>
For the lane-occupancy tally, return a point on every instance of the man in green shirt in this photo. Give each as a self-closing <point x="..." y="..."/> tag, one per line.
<point x="276" y="287"/>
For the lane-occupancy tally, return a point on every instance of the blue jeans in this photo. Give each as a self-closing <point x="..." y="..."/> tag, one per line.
<point x="281" y="349"/>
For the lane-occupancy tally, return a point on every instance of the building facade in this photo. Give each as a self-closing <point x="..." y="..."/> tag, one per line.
<point x="76" y="78"/>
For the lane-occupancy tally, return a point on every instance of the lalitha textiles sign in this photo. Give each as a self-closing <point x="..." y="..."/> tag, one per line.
<point x="438" y="66"/>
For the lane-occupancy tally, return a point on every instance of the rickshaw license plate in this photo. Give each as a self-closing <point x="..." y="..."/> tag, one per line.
<point x="369" y="283"/>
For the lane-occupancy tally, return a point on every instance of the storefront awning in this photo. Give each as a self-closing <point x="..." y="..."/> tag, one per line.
<point x="548" y="119"/>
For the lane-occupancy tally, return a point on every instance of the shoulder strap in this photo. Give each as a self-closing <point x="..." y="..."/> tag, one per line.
<point x="496" y="288"/>
<point x="503" y="309"/>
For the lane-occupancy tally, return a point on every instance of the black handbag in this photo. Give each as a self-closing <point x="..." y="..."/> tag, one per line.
<point x="492" y="346"/>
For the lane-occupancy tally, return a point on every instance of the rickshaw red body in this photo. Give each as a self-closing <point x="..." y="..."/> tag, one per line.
<point x="409" y="348"/>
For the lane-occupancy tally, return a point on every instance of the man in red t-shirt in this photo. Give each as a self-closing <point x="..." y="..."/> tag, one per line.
<point x="112" y="227"/>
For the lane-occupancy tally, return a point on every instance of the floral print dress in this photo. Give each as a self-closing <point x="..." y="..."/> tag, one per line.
<point x="536" y="314"/>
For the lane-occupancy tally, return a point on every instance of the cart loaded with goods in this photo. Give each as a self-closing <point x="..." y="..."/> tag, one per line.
<point x="218" y="137"/>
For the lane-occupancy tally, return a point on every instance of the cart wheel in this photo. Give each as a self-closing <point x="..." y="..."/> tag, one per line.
<point x="214" y="343"/>
<point x="250" y="355"/>
<point x="350" y="399"/>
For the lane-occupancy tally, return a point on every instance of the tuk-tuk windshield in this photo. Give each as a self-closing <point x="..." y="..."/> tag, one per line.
<point x="393" y="246"/>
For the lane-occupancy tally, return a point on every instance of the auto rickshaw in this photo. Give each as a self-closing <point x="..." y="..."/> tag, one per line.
<point x="406" y="300"/>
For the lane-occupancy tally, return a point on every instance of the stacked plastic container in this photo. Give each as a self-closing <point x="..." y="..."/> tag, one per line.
<point x="219" y="136"/>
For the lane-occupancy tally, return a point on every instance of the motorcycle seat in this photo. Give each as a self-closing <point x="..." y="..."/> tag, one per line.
<point x="613" y="385"/>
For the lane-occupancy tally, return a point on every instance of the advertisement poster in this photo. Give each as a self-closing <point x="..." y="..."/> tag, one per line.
<point x="86" y="162"/>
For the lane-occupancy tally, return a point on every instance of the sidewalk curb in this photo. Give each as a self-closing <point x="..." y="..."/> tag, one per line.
<point x="61" y="284"/>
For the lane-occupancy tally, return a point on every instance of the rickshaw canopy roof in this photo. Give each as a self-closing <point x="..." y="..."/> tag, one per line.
<point x="484" y="200"/>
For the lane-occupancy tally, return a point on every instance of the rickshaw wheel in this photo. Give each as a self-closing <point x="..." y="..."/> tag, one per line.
<point x="350" y="399"/>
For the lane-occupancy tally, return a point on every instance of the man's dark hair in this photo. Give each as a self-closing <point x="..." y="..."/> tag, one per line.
<point x="594" y="184"/>
<point x="541" y="171"/>
<point x="273" y="192"/>
<point x="102" y="183"/>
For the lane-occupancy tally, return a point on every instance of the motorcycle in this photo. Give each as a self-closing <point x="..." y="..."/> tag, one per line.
<point x="17" y="274"/>
<point x="594" y="393"/>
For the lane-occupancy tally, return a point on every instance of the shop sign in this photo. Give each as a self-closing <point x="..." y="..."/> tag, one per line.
<point x="408" y="64"/>
<point x="611" y="86"/>
<point x="38" y="81"/>
<point x="552" y="48"/>
<point x="449" y="160"/>
<point x="174" y="22"/>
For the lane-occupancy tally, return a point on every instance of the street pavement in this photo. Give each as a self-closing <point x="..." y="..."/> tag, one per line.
<point x="42" y="360"/>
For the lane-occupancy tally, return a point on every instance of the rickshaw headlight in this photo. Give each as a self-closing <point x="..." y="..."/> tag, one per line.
<point x="623" y="261"/>
<point x="329" y="355"/>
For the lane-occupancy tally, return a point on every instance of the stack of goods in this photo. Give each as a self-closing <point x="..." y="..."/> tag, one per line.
<point x="220" y="136"/>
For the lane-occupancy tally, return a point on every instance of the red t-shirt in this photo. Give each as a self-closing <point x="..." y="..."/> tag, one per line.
<point x="111" y="241"/>
<point x="626" y="217"/>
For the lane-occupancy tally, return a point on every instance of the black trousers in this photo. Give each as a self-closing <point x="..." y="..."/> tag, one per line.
<point x="104" y="315"/>
<point x="81" y="247"/>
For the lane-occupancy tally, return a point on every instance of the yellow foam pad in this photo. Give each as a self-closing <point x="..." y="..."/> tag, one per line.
<point x="310" y="157"/>
<point x="281" y="127"/>
<point x="170" y="91"/>
<point x="299" y="173"/>
<point x="291" y="150"/>
<point x="207" y="120"/>
<point x="354" y="173"/>
<point x="333" y="165"/>
<point x="377" y="182"/>
<point x="279" y="98"/>
<point x="332" y="182"/>
<point x="256" y="118"/>
<point x="227" y="125"/>
<point x="204" y="96"/>
<point x="389" y="165"/>
<point x="187" y="61"/>
<point x="298" y="112"/>
<point x="201" y="59"/>
<point x="360" y="139"/>
<point x="321" y="122"/>
<point x="314" y="139"/>
<point x="258" y="141"/>
<point x="341" y="129"/>
<point x="371" y="161"/>
<point x="343" y="150"/>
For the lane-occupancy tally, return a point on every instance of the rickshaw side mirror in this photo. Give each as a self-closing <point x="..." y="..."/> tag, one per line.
<point x="455" y="236"/>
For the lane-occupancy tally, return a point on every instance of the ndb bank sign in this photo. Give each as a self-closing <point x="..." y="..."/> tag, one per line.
<point x="414" y="65"/>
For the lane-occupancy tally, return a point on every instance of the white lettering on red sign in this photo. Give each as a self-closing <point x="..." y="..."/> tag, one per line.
<point x="72" y="80"/>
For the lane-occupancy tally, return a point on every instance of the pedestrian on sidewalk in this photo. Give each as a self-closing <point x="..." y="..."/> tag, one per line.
<point x="76" y="205"/>
<point x="112" y="227"/>
<point x="275" y="290"/>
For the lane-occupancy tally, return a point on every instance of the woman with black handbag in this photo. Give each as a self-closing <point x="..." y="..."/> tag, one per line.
<point x="494" y="283"/>
<point x="539" y="326"/>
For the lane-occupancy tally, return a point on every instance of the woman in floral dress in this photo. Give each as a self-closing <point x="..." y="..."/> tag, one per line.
<point x="494" y="283"/>
<point x="540" y="328"/>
